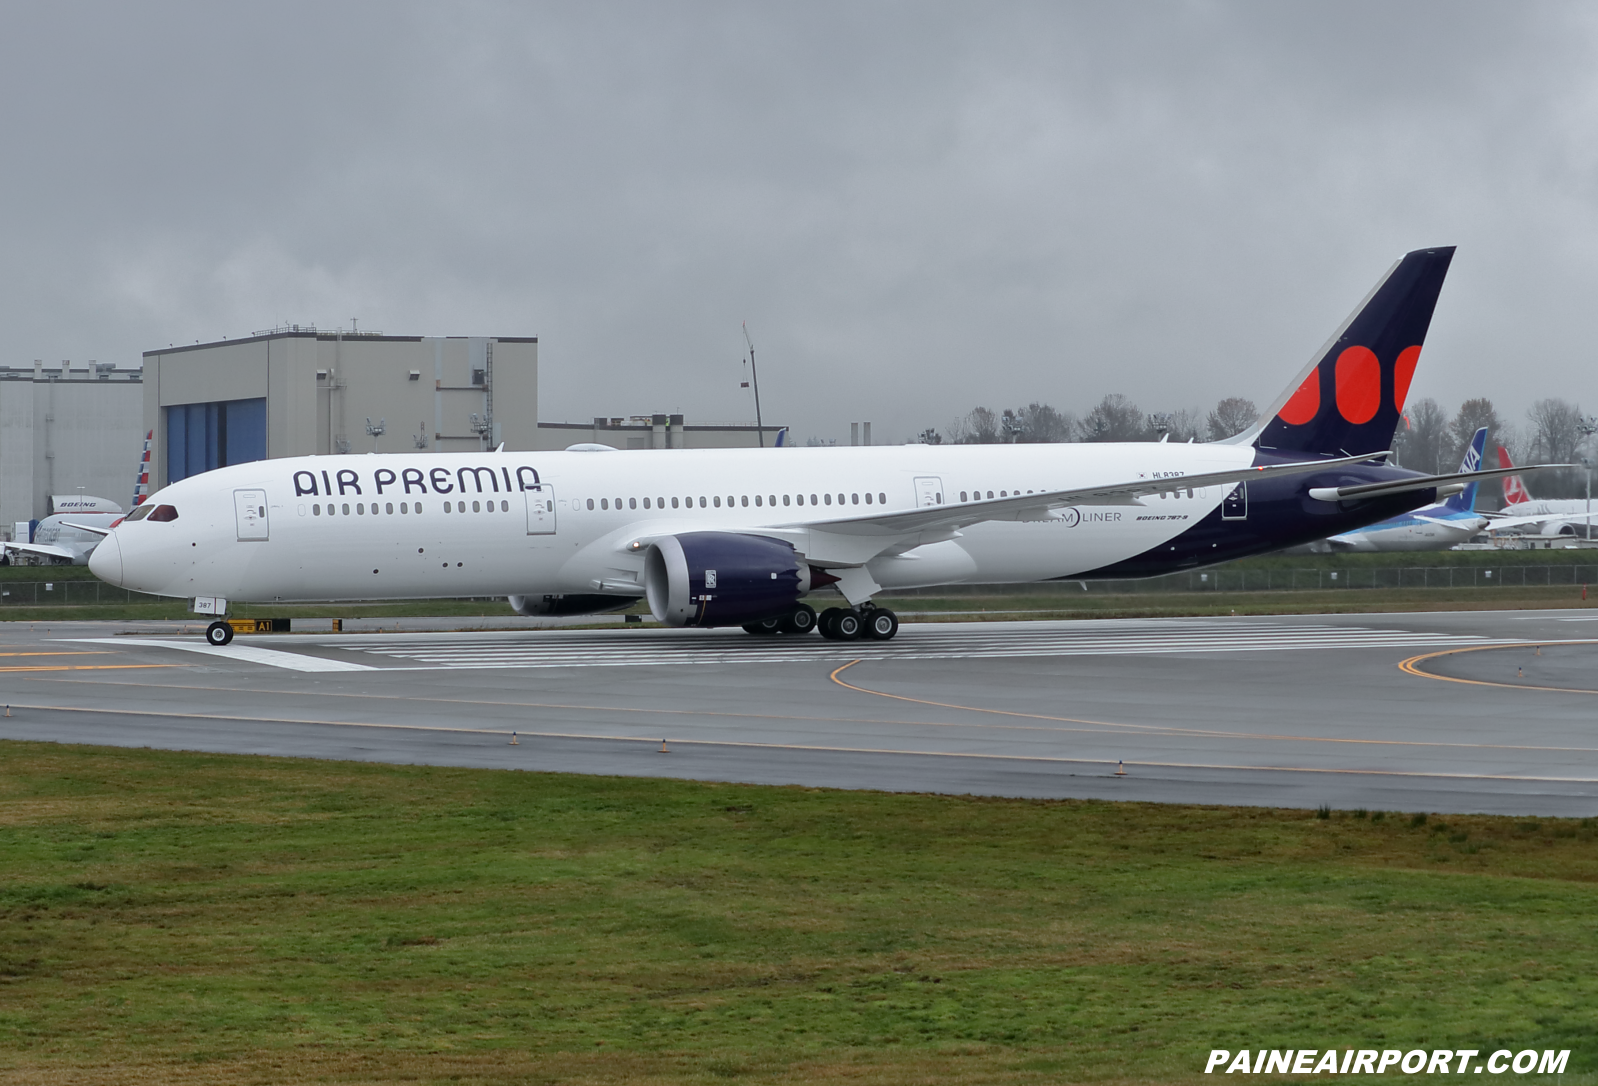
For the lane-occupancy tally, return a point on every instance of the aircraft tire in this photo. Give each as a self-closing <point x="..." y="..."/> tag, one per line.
<point x="826" y="624"/>
<point x="766" y="627"/>
<point x="881" y="624"/>
<point x="848" y="626"/>
<point x="801" y="620"/>
<point x="218" y="634"/>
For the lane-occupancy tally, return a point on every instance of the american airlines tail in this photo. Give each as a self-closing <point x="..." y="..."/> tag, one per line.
<point x="1515" y="491"/>
<point x="1348" y="400"/>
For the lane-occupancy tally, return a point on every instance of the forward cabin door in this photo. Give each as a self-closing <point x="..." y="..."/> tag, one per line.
<point x="249" y="510"/>
<point x="540" y="510"/>
<point x="929" y="491"/>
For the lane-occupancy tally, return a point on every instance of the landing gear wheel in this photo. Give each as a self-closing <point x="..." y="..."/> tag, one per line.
<point x="881" y="624"/>
<point x="766" y="627"/>
<point x="847" y="626"/>
<point x="827" y="623"/>
<point x="801" y="620"/>
<point x="218" y="634"/>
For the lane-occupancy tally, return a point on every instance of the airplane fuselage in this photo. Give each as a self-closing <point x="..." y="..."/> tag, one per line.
<point x="421" y="525"/>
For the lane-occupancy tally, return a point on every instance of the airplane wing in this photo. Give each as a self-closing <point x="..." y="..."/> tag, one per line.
<point x="1037" y="506"/>
<point x="43" y="550"/>
<point x="1439" y="520"/>
<point x="87" y="528"/>
<point x="1515" y="522"/>
<point x="1425" y="482"/>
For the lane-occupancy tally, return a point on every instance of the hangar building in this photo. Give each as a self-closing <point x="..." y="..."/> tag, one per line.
<point x="64" y="428"/>
<point x="299" y="390"/>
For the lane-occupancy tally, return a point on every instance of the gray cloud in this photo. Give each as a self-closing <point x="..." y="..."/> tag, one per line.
<point x="917" y="209"/>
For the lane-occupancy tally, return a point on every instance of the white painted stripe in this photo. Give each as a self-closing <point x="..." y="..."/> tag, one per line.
<point x="251" y="653"/>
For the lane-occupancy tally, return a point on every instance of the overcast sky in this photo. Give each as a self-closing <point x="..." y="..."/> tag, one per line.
<point x="917" y="208"/>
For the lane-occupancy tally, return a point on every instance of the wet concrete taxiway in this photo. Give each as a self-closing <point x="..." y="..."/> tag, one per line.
<point x="1457" y="711"/>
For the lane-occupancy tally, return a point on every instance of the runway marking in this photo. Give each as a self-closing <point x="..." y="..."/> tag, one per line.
<point x="84" y="667"/>
<point x="827" y="749"/>
<point x="254" y="654"/>
<point x="1207" y="733"/>
<point x="969" y="641"/>
<point x="85" y="652"/>
<point x="1411" y="667"/>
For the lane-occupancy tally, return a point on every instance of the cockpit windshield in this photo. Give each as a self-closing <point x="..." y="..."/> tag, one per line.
<point x="140" y="513"/>
<point x="164" y="512"/>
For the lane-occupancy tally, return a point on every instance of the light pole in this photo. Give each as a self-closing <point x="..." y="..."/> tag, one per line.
<point x="1588" y="425"/>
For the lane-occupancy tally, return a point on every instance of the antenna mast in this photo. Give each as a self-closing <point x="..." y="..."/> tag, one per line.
<point x="754" y="375"/>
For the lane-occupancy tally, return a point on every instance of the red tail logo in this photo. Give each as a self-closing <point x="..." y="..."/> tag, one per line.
<point x="1515" y="491"/>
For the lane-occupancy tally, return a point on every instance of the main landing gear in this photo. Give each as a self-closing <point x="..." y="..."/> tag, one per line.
<point x="835" y="623"/>
<point x="218" y="633"/>
<point x="871" y="622"/>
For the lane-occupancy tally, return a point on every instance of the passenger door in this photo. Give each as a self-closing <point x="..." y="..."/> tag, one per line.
<point x="929" y="491"/>
<point x="249" y="510"/>
<point x="540" y="510"/>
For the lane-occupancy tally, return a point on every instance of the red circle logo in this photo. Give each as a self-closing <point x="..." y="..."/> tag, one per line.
<point x="1304" y="403"/>
<point x="1403" y="373"/>
<point x="1359" y="384"/>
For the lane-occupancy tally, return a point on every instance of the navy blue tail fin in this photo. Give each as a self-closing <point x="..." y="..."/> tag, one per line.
<point x="1348" y="401"/>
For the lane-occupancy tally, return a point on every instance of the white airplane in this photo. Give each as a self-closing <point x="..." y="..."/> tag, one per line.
<point x="70" y="533"/>
<point x="738" y="537"/>
<point x="1536" y="518"/>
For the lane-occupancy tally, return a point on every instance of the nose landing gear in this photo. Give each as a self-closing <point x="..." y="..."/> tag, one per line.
<point x="218" y="633"/>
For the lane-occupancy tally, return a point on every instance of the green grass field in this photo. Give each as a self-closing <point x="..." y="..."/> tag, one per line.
<point x="191" y="918"/>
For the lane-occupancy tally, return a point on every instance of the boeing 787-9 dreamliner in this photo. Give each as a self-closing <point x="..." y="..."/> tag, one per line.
<point x="740" y="537"/>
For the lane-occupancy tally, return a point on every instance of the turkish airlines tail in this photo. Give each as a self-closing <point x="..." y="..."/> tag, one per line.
<point x="1515" y="490"/>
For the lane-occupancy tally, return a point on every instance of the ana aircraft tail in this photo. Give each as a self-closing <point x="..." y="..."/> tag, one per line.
<point x="1465" y="500"/>
<point x="1515" y="490"/>
<point x="1349" y="398"/>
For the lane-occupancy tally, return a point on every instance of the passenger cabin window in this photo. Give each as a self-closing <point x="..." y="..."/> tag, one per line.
<point x="746" y="499"/>
<point x="590" y="503"/>
<point x="757" y="499"/>
<point x="632" y="503"/>
<point x="674" y="503"/>
<point x="829" y="499"/>
<point x="785" y="499"/>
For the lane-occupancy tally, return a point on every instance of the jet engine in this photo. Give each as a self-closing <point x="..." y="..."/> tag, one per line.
<point x="583" y="604"/>
<point x="722" y="578"/>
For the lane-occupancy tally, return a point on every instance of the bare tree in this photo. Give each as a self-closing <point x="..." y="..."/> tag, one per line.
<point x="1042" y="424"/>
<point x="979" y="427"/>
<point x="1556" y="433"/>
<point x="1183" y="425"/>
<point x="1473" y="415"/>
<point x="1231" y="416"/>
<point x="1423" y="437"/>
<point x="1116" y="418"/>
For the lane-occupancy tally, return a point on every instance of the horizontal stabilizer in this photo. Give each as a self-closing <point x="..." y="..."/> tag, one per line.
<point x="1424" y="482"/>
<point x="86" y="528"/>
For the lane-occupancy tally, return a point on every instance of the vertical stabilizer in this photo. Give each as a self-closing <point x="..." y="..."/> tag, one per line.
<point x="1348" y="400"/>
<point x="141" y="482"/>
<point x="1515" y="491"/>
<point x="1465" y="500"/>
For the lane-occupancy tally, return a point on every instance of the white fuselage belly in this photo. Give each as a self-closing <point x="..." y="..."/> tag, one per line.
<point x="308" y="555"/>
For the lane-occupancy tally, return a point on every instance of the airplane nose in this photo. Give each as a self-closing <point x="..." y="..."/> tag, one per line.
<point x="105" y="561"/>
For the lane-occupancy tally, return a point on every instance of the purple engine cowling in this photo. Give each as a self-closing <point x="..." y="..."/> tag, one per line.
<point x="722" y="578"/>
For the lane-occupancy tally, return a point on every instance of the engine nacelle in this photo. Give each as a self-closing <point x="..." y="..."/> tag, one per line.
<point x="586" y="604"/>
<point x="722" y="578"/>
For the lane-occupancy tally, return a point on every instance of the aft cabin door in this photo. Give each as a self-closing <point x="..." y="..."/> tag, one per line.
<point x="249" y="510"/>
<point x="929" y="491"/>
<point x="540" y="510"/>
